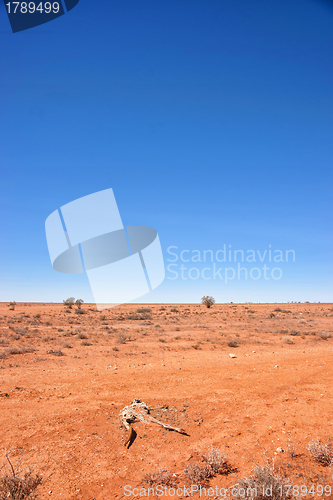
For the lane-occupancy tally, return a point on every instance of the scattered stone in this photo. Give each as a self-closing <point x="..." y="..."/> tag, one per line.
<point x="232" y="356"/>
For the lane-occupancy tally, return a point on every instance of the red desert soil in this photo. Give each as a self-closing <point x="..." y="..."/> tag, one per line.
<point x="65" y="377"/>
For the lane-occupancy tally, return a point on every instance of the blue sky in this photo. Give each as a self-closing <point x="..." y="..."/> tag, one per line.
<point x="212" y="120"/>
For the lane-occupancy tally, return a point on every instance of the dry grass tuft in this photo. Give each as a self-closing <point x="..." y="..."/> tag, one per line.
<point x="198" y="473"/>
<point x="122" y="337"/>
<point x="264" y="482"/>
<point x="161" y="477"/>
<point x="55" y="352"/>
<point x="17" y="485"/>
<point x="321" y="453"/>
<point x="18" y="350"/>
<point x="216" y="460"/>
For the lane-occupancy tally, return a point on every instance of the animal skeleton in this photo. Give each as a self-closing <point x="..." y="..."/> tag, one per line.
<point x="138" y="411"/>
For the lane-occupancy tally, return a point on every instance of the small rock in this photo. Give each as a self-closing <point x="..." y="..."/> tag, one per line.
<point x="279" y="450"/>
<point x="232" y="355"/>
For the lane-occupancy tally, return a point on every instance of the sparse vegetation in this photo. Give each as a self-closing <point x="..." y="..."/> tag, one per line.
<point x="264" y="482"/>
<point x="79" y="303"/>
<point x="19" y="485"/>
<point x="207" y="301"/>
<point x="288" y="340"/>
<point x="321" y="453"/>
<point x="12" y="305"/>
<point x="122" y="337"/>
<point x="216" y="460"/>
<point x="162" y="477"/>
<point x="81" y="336"/>
<point x="19" y="350"/>
<point x="165" y="341"/>
<point x="55" y="352"/>
<point x="69" y="303"/>
<point x="138" y="317"/>
<point x="198" y="473"/>
<point x="80" y="311"/>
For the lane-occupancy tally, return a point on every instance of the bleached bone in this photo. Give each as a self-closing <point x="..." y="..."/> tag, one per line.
<point x="138" y="411"/>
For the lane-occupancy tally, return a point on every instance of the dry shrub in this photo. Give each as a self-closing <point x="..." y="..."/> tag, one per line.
<point x="257" y="485"/>
<point x="207" y="301"/>
<point x="122" y="337"/>
<point x="21" y="331"/>
<point x="162" y="477"/>
<point x="321" y="453"/>
<point x="17" y="485"/>
<point x="138" y="317"/>
<point x="55" y="353"/>
<point x="216" y="460"/>
<point x="80" y="311"/>
<point x="292" y="449"/>
<point x="19" y="350"/>
<point x="288" y="340"/>
<point x="81" y="336"/>
<point x="143" y="310"/>
<point x="198" y="473"/>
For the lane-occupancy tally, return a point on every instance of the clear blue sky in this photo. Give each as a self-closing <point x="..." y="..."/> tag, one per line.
<point x="212" y="120"/>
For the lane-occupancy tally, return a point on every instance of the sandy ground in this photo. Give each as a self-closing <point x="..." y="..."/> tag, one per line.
<point x="65" y="377"/>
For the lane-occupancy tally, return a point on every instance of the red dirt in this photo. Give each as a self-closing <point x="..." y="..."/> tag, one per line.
<point x="62" y="412"/>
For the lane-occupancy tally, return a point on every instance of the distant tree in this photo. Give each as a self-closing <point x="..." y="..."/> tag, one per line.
<point x="78" y="303"/>
<point x="12" y="305"/>
<point x="207" y="301"/>
<point x="69" y="302"/>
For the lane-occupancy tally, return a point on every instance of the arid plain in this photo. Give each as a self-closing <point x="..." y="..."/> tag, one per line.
<point x="252" y="380"/>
